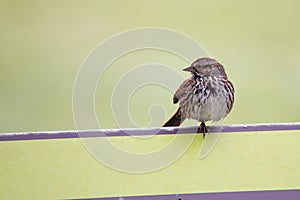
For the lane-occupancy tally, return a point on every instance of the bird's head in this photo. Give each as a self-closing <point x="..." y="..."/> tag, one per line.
<point x="206" y="67"/>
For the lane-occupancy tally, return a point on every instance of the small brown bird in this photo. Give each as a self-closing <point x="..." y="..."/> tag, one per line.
<point x="207" y="96"/>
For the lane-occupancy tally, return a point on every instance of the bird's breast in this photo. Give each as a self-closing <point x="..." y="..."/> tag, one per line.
<point x="208" y="100"/>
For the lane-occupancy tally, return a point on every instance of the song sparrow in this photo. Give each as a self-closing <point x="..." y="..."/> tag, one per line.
<point x="207" y="96"/>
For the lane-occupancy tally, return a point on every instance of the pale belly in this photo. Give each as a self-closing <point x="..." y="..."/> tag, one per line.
<point x="214" y="108"/>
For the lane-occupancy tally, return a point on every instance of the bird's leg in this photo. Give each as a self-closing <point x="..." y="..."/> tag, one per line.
<point x="204" y="129"/>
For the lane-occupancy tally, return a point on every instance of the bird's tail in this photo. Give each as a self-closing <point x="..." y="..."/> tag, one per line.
<point x="175" y="120"/>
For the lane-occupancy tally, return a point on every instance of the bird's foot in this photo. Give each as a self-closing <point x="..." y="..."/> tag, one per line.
<point x="203" y="129"/>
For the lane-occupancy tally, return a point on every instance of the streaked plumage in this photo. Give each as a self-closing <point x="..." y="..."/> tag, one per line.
<point x="207" y="96"/>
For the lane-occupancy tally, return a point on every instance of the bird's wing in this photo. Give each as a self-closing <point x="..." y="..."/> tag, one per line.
<point x="182" y="90"/>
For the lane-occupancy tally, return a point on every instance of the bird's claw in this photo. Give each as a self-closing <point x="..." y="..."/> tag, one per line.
<point x="203" y="129"/>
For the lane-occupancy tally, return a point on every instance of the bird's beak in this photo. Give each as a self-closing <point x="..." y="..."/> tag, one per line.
<point x="188" y="69"/>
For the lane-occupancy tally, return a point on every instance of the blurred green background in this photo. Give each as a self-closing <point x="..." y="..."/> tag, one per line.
<point x="43" y="44"/>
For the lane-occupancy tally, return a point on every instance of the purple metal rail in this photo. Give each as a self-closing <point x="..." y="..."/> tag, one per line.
<point x="247" y="195"/>
<point x="144" y="131"/>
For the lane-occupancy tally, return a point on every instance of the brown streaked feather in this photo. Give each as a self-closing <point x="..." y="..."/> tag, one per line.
<point x="175" y="120"/>
<point x="182" y="90"/>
